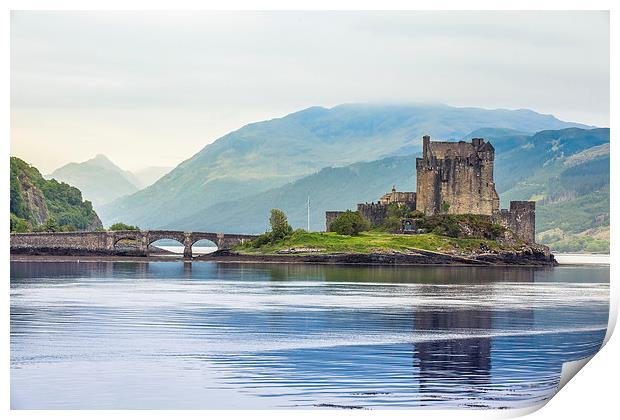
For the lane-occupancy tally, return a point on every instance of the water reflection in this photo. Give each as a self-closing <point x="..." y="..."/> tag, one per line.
<point x="466" y="360"/>
<point x="207" y="335"/>
<point x="286" y="272"/>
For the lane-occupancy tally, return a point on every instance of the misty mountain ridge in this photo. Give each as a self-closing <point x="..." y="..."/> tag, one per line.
<point x="149" y="175"/>
<point x="102" y="181"/>
<point x="574" y="183"/>
<point x="268" y="154"/>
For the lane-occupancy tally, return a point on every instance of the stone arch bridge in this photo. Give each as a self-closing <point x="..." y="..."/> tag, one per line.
<point x="105" y="242"/>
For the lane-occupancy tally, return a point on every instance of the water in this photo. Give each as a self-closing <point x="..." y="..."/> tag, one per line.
<point x="580" y="259"/>
<point x="177" y="335"/>
<point x="196" y="250"/>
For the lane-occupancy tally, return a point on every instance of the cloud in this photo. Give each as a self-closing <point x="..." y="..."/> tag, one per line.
<point x="150" y="75"/>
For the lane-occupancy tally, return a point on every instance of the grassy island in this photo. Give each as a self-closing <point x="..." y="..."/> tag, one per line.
<point x="462" y="235"/>
<point x="302" y="242"/>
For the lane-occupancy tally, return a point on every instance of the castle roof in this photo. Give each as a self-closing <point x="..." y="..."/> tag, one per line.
<point x="452" y="149"/>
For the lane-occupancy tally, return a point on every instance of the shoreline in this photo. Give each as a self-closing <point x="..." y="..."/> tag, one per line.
<point x="421" y="258"/>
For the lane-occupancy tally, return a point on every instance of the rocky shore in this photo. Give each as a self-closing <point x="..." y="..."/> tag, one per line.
<point x="529" y="256"/>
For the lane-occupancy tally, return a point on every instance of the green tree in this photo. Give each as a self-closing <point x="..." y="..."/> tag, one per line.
<point x="123" y="226"/>
<point x="445" y="207"/>
<point x="19" y="225"/>
<point x="397" y="210"/>
<point x="349" y="223"/>
<point x="392" y="224"/>
<point x="51" y="225"/>
<point x="280" y="228"/>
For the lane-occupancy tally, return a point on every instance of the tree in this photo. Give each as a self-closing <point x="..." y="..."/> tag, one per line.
<point x="51" y="225"/>
<point x="123" y="226"/>
<point x="445" y="207"/>
<point x="19" y="225"/>
<point x="392" y="224"/>
<point x="349" y="223"/>
<point x="279" y="225"/>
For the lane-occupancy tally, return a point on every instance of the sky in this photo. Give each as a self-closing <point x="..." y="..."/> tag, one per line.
<point x="153" y="88"/>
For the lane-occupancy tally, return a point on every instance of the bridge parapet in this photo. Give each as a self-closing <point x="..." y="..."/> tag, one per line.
<point x="105" y="242"/>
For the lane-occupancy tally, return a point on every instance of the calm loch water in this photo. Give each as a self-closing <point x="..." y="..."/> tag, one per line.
<point x="207" y="335"/>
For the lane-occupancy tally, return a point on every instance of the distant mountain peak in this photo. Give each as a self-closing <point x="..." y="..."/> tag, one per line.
<point x="103" y="161"/>
<point x="101" y="157"/>
<point x="99" y="179"/>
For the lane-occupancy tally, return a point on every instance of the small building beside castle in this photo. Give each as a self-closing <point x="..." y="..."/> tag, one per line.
<point x="453" y="178"/>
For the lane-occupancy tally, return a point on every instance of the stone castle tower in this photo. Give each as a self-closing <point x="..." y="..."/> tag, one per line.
<point x="456" y="178"/>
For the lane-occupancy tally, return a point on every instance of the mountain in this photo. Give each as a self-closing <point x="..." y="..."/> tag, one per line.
<point x="36" y="201"/>
<point x="148" y="176"/>
<point x="567" y="173"/>
<point x="99" y="179"/>
<point x="540" y="151"/>
<point x="568" y="177"/>
<point x="269" y="154"/>
<point x="329" y="189"/>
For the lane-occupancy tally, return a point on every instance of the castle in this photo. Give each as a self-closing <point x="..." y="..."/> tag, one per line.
<point x="454" y="178"/>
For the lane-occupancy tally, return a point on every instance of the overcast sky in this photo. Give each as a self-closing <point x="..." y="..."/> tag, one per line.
<point x="153" y="88"/>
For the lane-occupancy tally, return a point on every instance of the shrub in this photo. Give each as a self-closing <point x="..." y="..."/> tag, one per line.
<point x="463" y="226"/>
<point x="391" y="224"/>
<point x="19" y="225"/>
<point x="497" y="230"/>
<point x="68" y="228"/>
<point x="51" y="225"/>
<point x="415" y="214"/>
<point x="349" y="223"/>
<point x="264" y="239"/>
<point x="123" y="226"/>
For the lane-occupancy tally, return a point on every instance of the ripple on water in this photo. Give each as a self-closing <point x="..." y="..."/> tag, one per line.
<point x="224" y="336"/>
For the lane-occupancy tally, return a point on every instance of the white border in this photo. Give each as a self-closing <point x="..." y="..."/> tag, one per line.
<point x="592" y="394"/>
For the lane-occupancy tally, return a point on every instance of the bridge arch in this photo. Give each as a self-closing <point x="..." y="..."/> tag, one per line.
<point x="164" y="244"/>
<point x="203" y="246"/>
<point x="153" y="236"/>
<point x="128" y="240"/>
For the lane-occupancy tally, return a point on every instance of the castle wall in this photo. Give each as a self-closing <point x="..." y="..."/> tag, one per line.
<point x="521" y="219"/>
<point x="330" y="216"/>
<point x="405" y="197"/>
<point x="375" y="213"/>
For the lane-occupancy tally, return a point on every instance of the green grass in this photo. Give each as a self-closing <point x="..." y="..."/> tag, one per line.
<point x="370" y="242"/>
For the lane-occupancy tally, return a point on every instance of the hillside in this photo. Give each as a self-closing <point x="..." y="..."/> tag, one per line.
<point x="148" y="176"/>
<point x="329" y="189"/>
<point x="540" y="151"/>
<point x="569" y="178"/>
<point x="99" y="179"/>
<point x="36" y="202"/>
<point x="269" y="154"/>
<point x="572" y="195"/>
